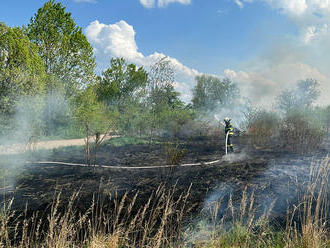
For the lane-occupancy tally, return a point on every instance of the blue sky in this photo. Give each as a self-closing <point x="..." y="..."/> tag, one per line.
<point x="262" y="46"/>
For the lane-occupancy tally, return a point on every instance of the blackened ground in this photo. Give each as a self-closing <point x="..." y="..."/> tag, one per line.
<point x="271" y="175"/>
<point x="198" y="149"/>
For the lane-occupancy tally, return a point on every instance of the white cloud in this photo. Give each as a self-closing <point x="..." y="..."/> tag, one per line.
<point x="118" y="40"/>
<point x="294" y="7"/>
<point x="85" y="1"/>
<point x="311" y="16"/>
<point x="162" y="3"/>
<point x="148" y="3"/>
<point x="239" y="3"/>
<point x="309" y="34"/>
<point x="312" y="33"/>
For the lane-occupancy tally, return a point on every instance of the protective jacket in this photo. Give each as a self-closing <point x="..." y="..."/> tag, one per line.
<point x="229" y="128"/>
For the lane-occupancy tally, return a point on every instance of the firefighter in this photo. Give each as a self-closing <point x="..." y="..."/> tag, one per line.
<point x="229" y="128"/>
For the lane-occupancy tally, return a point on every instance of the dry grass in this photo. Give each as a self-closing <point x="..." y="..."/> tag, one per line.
<point x="155" y="224"/>
<point x="174" y="153"/>
<point x="312" y="212"/>
<point x="307" y="223"/>
<point x="158" y="222"/>
<point x="103" y="241"/>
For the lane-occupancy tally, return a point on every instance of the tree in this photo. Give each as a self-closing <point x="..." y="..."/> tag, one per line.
<point x="22" y="71"/>
<point x="211" y="92"/>
<point x="287" y="101"/>
<point x="64" y="48"/>
<point x="121" y="82"/>
<point x="162" y="99"/>
<point x="307" y="92"/>
<point x="160" y="83"/>
<point x="302" y="97"/>
<point x="327" y="119"/>
<point x="95" y="119"/>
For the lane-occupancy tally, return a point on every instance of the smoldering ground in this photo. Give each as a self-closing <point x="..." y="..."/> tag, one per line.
<point x="33" y="117"/>
<point x="266" y="175"/>
<point x="275" y="195"/>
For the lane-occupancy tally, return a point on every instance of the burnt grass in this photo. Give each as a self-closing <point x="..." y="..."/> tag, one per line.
<point x="270" y="175"/>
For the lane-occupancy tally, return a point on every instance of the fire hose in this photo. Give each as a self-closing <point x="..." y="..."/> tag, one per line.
<point x="137" y="167"/>
<point x="226" y="145"/>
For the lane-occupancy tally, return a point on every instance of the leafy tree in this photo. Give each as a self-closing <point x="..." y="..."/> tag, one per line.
<point x="22" y="71"/>
<point x="211" y="92"/>
<point x="63" y="47"/>
<point x="121" y="82"/>
<point x="94" y="118"/>
<point x="161" y="78"/>
<point x="89" y="111"/>
<point x="162" y="100"/>
<point x="303" y="96"/>
<point x="160" y="84"/>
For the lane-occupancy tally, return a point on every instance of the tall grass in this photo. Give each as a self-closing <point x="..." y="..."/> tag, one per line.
<point x="158" y="222"/>
<point x="307" y="222"/>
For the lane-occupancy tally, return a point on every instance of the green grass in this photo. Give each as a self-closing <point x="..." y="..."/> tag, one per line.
<point x="241" y="236"/>
<point x="122" y="141"/>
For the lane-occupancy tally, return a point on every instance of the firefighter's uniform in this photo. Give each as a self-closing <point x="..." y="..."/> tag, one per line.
<point x="229" y="128"/>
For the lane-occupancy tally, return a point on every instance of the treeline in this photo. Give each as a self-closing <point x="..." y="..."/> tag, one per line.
<point x="48" y="87"/>
<point x="295" y="124"/>
<point x="48" y="82"/>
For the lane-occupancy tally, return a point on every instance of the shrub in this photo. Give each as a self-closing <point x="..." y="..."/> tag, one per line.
<point x="174" y="153"/>
<point x="301" y="132"/>
<point x="262" y="126"/>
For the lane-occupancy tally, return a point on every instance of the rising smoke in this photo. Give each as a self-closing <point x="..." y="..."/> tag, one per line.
<point x="33" y="116"/>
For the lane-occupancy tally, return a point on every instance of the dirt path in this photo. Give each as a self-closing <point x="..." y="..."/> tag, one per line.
<point x="51" y="144"/>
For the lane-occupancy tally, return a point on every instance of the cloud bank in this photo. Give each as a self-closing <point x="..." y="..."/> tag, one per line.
<point x="302" y="56"/>
<point x="85" y="1"/>
<point x="118" y="40"/>
<point x="162" y="3"/>
<point x="294" y="8"/>
<point x="280" y="67"/>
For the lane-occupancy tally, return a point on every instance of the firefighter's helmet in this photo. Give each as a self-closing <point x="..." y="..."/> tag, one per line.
<point x="227" y="119"/>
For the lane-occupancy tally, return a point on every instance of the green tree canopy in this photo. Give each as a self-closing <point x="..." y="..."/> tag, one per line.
<point x="90" y="112"/>
<point x="161" y="86"/>
<point x="63" y="47"/>
<point x="211" y="92"/>
<point x="121" y="82"/>
<point x="22" y="71"/>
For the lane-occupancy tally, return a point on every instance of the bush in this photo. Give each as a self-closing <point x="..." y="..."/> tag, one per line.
<point x="301" y="132"/>
<point x="174" y="153"/>
<point x="262" y="126"/>
<point x="176" y="122"/>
